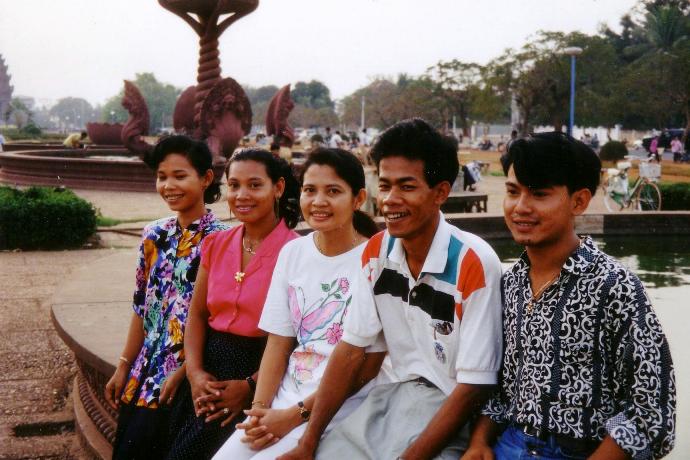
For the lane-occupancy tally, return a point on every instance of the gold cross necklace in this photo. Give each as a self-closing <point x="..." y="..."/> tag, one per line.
<point x="540" y="291"/>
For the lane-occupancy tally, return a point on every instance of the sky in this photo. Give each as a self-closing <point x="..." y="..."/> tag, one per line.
<point x="86" y="48"/>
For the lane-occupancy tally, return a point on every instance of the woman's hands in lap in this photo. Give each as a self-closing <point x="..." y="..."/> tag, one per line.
<point x="265" y="427"/>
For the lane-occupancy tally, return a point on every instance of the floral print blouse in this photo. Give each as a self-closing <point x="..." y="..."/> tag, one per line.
<point x="168" y="263"/>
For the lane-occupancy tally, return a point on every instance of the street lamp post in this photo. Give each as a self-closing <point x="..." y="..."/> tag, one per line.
<point x="573" y="52"/>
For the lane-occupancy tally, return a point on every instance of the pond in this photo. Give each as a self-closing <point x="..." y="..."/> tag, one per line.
<point x="663" y="265"/>
<point x="659" y="261"/>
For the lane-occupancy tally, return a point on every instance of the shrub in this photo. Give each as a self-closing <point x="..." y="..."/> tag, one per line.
<point x="613" y="151"/>
<point x="675" y="197"/>
<point x="32" y="131"/>
<point x="44" y="218"/>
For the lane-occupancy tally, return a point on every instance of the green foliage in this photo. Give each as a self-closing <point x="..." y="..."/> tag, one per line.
<point x="75" y="109"/>
<point x="313" y="95"/>
<point x="675" y="197"/>
<point x="613" y="151"/>
<point x="31" y="130"/>
<point x="18" y="112"/>
<point x="103" y="221"/>
<point x="388" y="101"/>
<point x="160" y="100"/>
<point x="44" y="218"/>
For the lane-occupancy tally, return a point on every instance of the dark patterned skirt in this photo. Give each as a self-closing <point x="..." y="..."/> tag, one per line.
<point x="142" y="433"/>
<point x="227" y="357"/>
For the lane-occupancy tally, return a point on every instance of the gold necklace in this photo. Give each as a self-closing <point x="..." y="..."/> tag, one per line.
<point x="239" y="275"/>
<point x="250" y="249"/>
<point x="318" y="246"/>
<point x="535" y="296"/>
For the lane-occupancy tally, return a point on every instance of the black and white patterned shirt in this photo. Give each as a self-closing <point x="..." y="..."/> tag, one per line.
<point x="590" y="360"/>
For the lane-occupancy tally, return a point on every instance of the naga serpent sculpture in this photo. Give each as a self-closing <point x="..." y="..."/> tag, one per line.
<point x="216" y="109"/>
<point x="277" y="118"/>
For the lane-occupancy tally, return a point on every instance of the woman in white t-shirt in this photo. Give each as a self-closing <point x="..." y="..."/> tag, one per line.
<point x="313" y="286"/>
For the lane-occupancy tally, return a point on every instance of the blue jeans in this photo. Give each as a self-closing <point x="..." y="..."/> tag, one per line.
<point x="516" y="445"/>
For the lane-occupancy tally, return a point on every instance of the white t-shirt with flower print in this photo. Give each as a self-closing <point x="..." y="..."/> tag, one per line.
<point x="309" y="299"/>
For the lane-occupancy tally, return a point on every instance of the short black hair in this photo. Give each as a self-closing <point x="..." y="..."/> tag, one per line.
<point x="197" y="153"/>
<point x="553" y="158"/>
<point x="415" y="139"/>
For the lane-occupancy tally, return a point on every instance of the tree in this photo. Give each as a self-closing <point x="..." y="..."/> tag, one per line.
<point x="160" y="99"/>
<point x="260" y="98"/>
<point x="387" y="102"/>
<point x="314" y="95"/>
<point x="75" y="109"/>
<point x="456" y="86"/>
<point x="5" y="88"/>
<point x="19" y="112"/>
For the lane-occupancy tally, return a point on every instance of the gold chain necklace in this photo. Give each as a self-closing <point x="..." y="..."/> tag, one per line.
<point x="239" y="275"/>
<point x="540" y="291"/>
<point x="318" y="246"/>
<point x="250" y="249"/>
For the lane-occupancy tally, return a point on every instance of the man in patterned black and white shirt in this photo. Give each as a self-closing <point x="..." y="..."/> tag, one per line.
<point x="587" y="370"/>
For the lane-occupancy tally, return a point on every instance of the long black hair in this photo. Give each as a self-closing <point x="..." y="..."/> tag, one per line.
<point x="349" y="169"/>
<point x="196" y="152"/>
<point x="288" y="206"/>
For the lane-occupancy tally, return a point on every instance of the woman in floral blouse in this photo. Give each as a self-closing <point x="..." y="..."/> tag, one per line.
<point x="152" y="363"/>
<point x="314" y="285"/>
<point x="224" y="345"/>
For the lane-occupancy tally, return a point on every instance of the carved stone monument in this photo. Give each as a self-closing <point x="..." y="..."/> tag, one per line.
<point x="216" y="109"/>
<point x="277" y="118"/>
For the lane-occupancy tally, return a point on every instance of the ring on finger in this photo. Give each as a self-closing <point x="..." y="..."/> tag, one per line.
<point x="226" y="411"/>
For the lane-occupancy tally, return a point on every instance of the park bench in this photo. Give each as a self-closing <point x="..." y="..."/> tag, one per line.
<point x="465" y="202"/>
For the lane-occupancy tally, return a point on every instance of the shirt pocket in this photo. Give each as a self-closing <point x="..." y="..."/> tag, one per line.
<point x="445" y="343"/>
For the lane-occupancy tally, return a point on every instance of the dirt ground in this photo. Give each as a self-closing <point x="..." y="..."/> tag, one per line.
<point x="36" y="368"/>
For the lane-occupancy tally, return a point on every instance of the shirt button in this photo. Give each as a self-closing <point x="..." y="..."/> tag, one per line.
<point x="414" y="294"/>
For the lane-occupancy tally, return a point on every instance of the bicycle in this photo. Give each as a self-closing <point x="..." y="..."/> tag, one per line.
<point x="644" y="195"/>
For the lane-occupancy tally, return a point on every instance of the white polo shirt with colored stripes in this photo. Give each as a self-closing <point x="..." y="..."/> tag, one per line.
<point x="444" y="326"/>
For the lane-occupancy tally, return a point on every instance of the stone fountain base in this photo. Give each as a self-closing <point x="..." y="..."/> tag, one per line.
<point x="112" y="169"/>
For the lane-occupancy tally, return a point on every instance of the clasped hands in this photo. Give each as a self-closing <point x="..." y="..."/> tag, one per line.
<point x="214" y="399"/>
<point x="265" y="427"/>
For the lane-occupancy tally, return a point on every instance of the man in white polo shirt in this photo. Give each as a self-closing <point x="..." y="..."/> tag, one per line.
<point x="436" y="302"/>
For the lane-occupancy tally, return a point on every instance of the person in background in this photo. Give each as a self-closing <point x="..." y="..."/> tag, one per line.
<point x="2" y="141"/>
<point x="587" y="371"/>
<point x="275" y="150"/>
<point x="74" y="140"/>
<point x="314" y="287"/>
<point x="676" y="149"/>
<point x="654" y="149"/>
<point x="223" y="344"/>
<point x="335" y="141"/>
<point x="151" y="366"/>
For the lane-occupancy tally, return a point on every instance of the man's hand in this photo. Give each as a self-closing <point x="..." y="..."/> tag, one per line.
<point x="478" y="452"/>
<point x="301" y="452"/>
